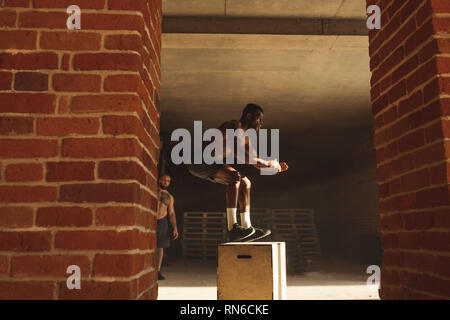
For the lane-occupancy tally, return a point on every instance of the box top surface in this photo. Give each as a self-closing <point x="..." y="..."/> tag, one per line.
<point x="250" y="243"/>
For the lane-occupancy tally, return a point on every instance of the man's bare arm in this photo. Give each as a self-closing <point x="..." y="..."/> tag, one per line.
<point x="172" y="217"/>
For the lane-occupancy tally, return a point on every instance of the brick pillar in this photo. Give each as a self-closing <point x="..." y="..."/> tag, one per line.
<point x="79" y="140"/>
<point x="410" y="63"/>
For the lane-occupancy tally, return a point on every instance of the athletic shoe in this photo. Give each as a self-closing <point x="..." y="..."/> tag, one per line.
<point x="238" y="233"/>
<point x="258" y="234"/>
<point x="160" y="276"/>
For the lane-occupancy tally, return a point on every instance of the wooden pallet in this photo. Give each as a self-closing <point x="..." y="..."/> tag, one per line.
<point x="297" y="228"/>
<point x="202" y="232"/>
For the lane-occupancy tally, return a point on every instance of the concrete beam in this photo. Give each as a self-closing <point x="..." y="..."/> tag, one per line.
<point x="258" y="25"/>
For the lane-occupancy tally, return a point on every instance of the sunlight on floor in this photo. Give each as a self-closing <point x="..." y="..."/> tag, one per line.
<point x="197" y="281"/>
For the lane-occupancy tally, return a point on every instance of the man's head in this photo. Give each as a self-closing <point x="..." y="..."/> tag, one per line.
<point x="252" y="116"/>
<point x="164" y="181"/>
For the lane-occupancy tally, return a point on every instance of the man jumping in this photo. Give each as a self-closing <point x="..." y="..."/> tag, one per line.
<point x="237" y="184"/>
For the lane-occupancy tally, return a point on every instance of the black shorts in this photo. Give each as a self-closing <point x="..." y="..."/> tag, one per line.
<point x="162" y="232"/>
<point x="204" y="171"/>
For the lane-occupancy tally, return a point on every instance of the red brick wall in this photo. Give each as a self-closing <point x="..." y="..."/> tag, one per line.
<point x="79" y="140"/>
<point x="410" y="64"/>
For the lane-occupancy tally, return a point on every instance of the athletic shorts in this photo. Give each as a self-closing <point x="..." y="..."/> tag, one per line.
<point x="204" y="171"/>
<point x="162" y="232"/>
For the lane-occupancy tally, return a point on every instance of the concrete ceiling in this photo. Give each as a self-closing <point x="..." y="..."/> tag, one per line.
<point x="266" y="8"/>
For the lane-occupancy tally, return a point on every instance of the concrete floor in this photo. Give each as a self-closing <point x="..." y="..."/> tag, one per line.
<point x="196" y="280"/>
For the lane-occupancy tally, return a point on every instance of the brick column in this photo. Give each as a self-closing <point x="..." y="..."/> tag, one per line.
<point x="79" y="140"/>
<point x="410" y="63"/>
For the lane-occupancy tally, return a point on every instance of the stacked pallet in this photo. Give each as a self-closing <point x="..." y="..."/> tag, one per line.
<point x="202" y="232"/>
<point x="297" y="228"/>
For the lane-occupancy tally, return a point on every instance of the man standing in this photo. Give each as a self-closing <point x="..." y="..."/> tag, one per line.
<point x="165" y="213"/>
<point x="237" y="184"/>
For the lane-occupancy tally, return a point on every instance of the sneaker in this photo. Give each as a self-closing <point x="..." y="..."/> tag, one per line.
<point x="258" y="234"/>
<point x="238" y="233"/>
<point x="160" y="276"/>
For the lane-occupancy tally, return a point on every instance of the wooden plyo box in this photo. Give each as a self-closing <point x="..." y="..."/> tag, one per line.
<point x="251" y="271"/>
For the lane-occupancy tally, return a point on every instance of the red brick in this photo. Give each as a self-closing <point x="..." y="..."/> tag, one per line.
<point x="441" y="24"/>
<point x="67" y="126"/>
<point x="411" y="103"/>
<point x="27" y="290"/>
<point x="100" y="21"/>
<point x="5" y="80"/>
<point x="96" y="290"/>
<point x="97" y="240"/>
<point x="7" y="18"/>
<point x="42" y="19"/>
<point x="130" y="42"/>
<point x="25" y="241"/>
<point x="48" y="266"/>
<point x="146" y="281"/>
<point x="31" y="81"/>
<point x="65" y="62"/>
<point x="433" y="197"/>
<point x="117" y="125"/>
<point x="118" y="265"/>
<point x="443" y="45"/>
<point x="64" y="217"/>
<point x="77" y="82"/>
<point x="419" y="37"/>
<point x="423" y="14"/>
<point x="16" y="194"/>
<point x="73" y="40"/>
<point x="406" y="68"/>
<point x="4" y="265"/>
<point x="121" y="170"/>
<point x="122" y="82"/>
<point x="83" y="4"/>
<point x="107" y="61"/>
<point x="422" y="75"/>
<point x="129" y="5"/>
<point x="28" y="148"/>
<point x="16" y="125"/>
<point x="105" y="103"/>
<point x="63" y="104"/>
<point x="24" y="172"/>
<point x="429" y="155"/>
<point x="100" y="193"/>
<point x="435" y="132"/>
<point x="18" y="39"/>
<point x="418" y="221"/>
<point x="29" y="61"/>
<point x="16" y="217"/>
<point x="17" y="3"/>
<point x="436" y="241"/>
<point x="70" y="171"/>
<point x="124" y="216"/>
<point x="440" y="174"/>
<point x="27" y="103"/>
<point x="442" y="218"/>
<point x="412" y="141"/>
<point x="430" y="50"/>
<point x="100" y="148"/>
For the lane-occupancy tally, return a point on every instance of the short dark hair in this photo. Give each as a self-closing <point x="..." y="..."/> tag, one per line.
<point x="251" y="108"/>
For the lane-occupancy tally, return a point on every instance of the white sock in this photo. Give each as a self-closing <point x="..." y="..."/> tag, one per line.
<point x="231" y="217"/>
<point x="245" y="219"/>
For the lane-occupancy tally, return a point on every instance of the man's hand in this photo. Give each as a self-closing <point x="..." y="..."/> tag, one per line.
<point x="283" y="166"/>
<point x="175" y="234"/>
